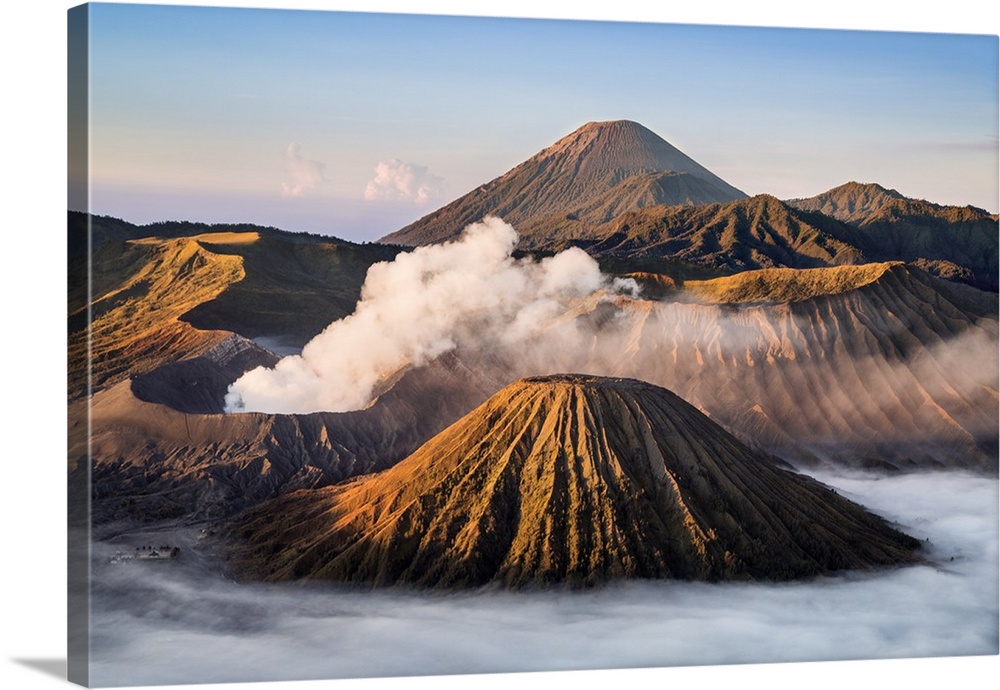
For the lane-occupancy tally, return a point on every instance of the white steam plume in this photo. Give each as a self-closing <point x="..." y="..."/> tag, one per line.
<point x="398" y="181"/>
<point x="419" y="306"/>
<point x="307" y="175"/>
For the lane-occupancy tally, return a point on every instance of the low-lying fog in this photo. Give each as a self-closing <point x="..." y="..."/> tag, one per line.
<point x="179" y="622"/>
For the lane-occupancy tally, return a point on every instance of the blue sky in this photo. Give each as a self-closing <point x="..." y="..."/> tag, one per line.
<point x="283" y="117"/>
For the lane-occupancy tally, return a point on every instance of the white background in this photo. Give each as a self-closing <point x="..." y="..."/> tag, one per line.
<point x="32" y="261"/>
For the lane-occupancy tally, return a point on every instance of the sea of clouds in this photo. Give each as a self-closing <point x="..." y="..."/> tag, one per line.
<point x="183" y="622"/>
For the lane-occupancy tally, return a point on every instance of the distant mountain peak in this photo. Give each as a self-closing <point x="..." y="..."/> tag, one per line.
<point x="620" y="146"/>
<point x="613" y="125"/>
<point x="612" y="136"/>
<point x="574" y="174"/>
<point x="958" y="242"/>
<point x="610" y="127"/>
<point x="854" y="187"/>
<point x="851" y="201"/>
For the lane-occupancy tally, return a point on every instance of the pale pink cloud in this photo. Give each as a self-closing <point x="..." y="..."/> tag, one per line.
<point x="307" y="175"/>
<point x="398" y="181"/>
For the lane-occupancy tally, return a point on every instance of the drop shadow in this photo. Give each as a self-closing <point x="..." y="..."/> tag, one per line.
<point x="50" y="667"/>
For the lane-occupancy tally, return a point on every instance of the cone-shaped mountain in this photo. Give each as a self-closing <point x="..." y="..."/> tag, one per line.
<point x="569" y="479"/>
<point x="576" y="175"/>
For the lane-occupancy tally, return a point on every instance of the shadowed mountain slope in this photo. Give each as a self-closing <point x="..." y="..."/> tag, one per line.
<point x="853" y="224"/>
<point x="292" y="289"/>
<point x="601" y="169"/>
<point x="945" y="239"/>
<point x="878" y="366"/>
<point x="157" y="299"/>
<point x="570" y="479"/>
<point x="198" y="385"/>
<point x="151" y="461"/>
<point x="759" y="232"/>
<point x="140" y="290"/>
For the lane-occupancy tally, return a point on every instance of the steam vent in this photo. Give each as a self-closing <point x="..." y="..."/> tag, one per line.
<point x="575" y="480"/>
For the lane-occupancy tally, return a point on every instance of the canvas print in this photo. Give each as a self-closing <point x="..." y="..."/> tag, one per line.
<point x="404" y="345"/>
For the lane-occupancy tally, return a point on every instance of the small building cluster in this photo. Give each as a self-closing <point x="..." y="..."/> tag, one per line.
<point x="146" y="553"/>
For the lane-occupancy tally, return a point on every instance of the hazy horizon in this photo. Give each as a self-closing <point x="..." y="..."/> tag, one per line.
<point x="353" y="124"/>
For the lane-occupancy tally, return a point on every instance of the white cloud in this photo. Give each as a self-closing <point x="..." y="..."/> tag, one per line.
<point x="306" y="175"/>
<point x="398" y="181"/>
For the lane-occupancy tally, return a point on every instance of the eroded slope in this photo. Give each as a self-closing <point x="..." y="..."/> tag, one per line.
<point x="570" y="479"/>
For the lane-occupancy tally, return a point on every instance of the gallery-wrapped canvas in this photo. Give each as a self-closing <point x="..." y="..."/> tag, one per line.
<point x="410" y="345"/>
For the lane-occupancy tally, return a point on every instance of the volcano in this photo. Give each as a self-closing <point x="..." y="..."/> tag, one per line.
<point x="598" y="171"/>
<point x="575" y="480"/>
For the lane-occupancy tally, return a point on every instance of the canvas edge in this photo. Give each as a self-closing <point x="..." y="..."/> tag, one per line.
<point x="78" y="364"/>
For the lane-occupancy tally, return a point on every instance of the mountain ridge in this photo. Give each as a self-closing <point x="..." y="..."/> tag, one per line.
<point x="618" y="190"/>
<point x="959" y="242"/>
<point x="855" y="202"/>
<point x="156" y="295"/>
<point x="751" y="233"/>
